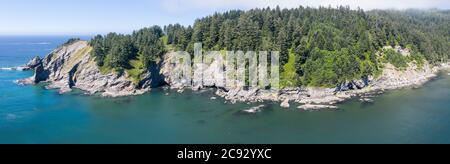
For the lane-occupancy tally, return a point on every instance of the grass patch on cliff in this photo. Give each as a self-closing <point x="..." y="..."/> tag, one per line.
<point x="418" y="59"/>
<point x="77" y="57"/>
<point x="105" y="68"/>
<point x="136" y="70"/>
<point x="400" y="61"/>
<point x="289" y="77"/>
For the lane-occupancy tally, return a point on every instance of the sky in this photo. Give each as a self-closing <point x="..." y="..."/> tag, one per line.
<point x="89" y="17"/>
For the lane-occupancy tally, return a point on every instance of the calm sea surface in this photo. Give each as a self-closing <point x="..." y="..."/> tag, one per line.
<point x="32" y="114"/>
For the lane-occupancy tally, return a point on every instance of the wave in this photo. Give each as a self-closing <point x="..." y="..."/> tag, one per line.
<point x="7" y="68"/>
<point x="13" y="68"/>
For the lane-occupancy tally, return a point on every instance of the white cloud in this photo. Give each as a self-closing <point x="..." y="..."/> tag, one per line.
<point x="186" y="5"/>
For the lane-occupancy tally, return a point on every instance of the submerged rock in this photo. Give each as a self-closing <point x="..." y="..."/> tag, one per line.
<point x="254" y="109"/>
<point x="285" y="104"/>
<point x="366" y="100"/>
<point x="316" y="107"/>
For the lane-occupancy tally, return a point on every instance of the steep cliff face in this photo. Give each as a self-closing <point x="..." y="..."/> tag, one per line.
<point x="71" y="66"/>
<point x="212" y="73"/>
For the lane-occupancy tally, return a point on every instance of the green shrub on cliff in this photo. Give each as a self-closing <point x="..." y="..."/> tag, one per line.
<point x="289" y="76"/>
<point x="395" y="58"/>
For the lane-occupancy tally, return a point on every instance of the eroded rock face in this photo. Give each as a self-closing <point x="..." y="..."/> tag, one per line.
<point x="207" y="74"/>
<point x="36" y="61"/>
<point x="354" y="84"/>
<point x="153" y="78"/>
<point x="71" y="66"/>
<point x="40" y="74"/>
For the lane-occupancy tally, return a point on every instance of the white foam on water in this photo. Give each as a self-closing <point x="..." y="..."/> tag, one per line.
<point x="254" y="109"/>
<point x="13" y="68"/>
<point x="6" y="68"/>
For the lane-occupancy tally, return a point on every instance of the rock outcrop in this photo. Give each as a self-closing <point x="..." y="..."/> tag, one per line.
<point x="285" y="104"/>
<point x="33" y="63"/>
<point x="71" y="66"/>
<point x="393" y="78"/>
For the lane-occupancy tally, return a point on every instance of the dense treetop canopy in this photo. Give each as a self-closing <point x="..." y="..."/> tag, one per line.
<point x="329" y="45"/>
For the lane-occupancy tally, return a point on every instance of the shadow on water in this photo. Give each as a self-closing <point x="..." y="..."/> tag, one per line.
<point x="201" y="122"/>
<point x="123" y="101"/>
<point x="367" y="104"/>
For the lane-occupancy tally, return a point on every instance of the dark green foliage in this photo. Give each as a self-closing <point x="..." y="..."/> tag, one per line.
<point x="149" y="44"/>
<point x="99" y="51"/>
<point x="71" y="40"/>
<point x="428" y="30"/>
<point x="330" y="45"/>
<point x="121" y="52"/>
<point x="115" y="50"/>
<point x="248" y="34"/>
<point x="328" y="68"/>
<point x="348" y="39"/>
<point x="418" y="58"/>
<point x="178" y="35"/>
<point x="395" y="58"/>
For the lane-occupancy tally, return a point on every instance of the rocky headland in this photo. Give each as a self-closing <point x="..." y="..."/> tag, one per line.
<point x="71" y="66"/>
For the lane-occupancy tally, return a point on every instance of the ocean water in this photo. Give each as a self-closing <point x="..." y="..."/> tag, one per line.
<point x="32" y="114"/>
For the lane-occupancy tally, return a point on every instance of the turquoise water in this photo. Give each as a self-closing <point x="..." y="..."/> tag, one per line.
<point x="32" y="114"/>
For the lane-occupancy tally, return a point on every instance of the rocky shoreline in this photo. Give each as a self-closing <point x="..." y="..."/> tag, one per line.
<point x="327" y="98"/>
<point x="71" y="66"/>
<point x="313" y="98"/>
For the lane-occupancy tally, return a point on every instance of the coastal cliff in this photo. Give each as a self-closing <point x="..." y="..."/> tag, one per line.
<point x="71" y="66"/>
